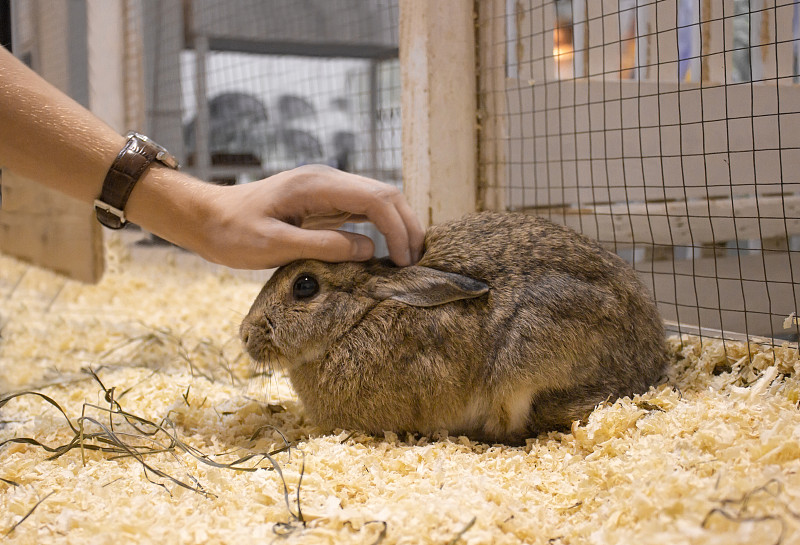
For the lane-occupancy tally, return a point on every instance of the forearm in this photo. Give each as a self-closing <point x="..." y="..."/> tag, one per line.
<point x="174" y="205"/>
<point x="48" y="137"/>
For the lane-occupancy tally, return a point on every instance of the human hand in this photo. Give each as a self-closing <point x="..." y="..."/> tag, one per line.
<point x="259" y="225"/>
<point x="291" y="215"/>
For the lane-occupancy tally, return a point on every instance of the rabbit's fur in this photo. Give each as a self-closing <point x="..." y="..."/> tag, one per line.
<point x="509" y="325"/>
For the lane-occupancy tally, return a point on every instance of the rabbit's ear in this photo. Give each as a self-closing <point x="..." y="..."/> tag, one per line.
<point x="425" y="287"/>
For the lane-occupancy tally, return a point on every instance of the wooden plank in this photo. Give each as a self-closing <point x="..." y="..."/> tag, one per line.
<point x="692" y="27"/>
<point x="527" y="40"/>
<point x="761" y="65"/>
<point x="604" y="39"/>
<point x="747" y="293"/>
<point x="531" y="40"/>
<point x="43" y="227"/>
<point x="106" y="51"/>
<point x="492" y="183"/>
<point x="354" y="24"/>
<point x="796" y="34"/>
<point x="202" y="155"/>
<point x="717" y="34"/>
<point x="589" y="141"/>
<point x="645" y="39"/>
<point x="547" y="15"/>
<point x="785" y="41"/>
<point x="685" y="223"/>
<point x="49" y="55"/>
<point x="580" y="32"/>
<point x="133" y="68"/>
<point x="667" y="41"/>
<point x="163" y="42"/>
<point x="437" y="57"/>
<point x="38" y="224"/>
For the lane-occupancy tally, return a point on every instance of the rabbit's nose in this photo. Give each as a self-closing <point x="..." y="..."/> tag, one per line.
<point x="248" y="333"/>
<point x="244" y="330"/>
<point x="255" y="334"/>
<point x="250" y="337"/>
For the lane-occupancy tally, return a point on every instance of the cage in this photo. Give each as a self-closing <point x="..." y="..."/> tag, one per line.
<point x="248" y="89"/>
<point x="236" y="90"/>
<point x="668" y="131"/>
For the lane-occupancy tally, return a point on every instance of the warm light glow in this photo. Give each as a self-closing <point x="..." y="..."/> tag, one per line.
<point x="563" y="51"/>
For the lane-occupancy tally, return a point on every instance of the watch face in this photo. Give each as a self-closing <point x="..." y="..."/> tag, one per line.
<point x="162" y="155"/>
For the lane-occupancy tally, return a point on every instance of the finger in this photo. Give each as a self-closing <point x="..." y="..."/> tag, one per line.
<point x="389" y="222"/>
<point x="321" y="191"/>
<point x="326" y="245"/>
<point x="378" y="202"/>
<point x="416" y="234"/>
<point x="327" y="221"/>
<point x="332" y="222"/>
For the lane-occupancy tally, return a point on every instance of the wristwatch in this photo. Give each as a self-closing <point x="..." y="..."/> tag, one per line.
<point x="130" y="165"/>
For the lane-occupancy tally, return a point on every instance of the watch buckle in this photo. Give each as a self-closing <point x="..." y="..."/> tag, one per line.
<point x="111" y="210"/>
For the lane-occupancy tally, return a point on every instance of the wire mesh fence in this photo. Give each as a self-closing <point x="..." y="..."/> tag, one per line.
<point x="243" y="89"/>
<point x="666" y="129"/>
<point x="238" y="90"/>
<point x="669" y="131"/>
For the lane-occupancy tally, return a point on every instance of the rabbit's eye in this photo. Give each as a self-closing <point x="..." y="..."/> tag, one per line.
<point x="305" y="286"/>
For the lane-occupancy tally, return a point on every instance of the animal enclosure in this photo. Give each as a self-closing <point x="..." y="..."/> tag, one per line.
<point x="237" y="91"/>
<point x="248" y="89"/>
<point x="668" y="130"/>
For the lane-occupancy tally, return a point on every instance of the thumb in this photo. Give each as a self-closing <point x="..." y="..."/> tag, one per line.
<point x="332" y="246"/>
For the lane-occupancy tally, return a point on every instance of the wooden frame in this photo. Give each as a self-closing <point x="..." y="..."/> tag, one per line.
<point x="38" y="224"/>
<point x="437" y="56"/>
<point x="492" y="60"/>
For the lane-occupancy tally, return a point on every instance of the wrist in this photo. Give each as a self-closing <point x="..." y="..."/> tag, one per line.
<point x="173" y="205"/>
<point x="137" y="155"/>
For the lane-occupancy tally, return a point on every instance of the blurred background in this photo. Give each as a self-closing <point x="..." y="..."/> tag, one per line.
<point x="668" y="130"/>
<point x="237" y="90"/>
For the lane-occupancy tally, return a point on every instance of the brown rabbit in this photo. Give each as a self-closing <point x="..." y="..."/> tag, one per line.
<point x="510" y="325"/>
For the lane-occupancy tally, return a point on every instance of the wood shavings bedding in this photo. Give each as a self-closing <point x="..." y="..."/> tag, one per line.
<point x="711" y="456"/>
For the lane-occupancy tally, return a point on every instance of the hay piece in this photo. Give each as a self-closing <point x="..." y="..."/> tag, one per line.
<point x="28" y="514"/>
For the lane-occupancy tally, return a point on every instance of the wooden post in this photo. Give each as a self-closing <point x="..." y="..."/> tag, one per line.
<point x="492" y="183"/>
<point x="373" y="119"/>
<point x="163" y="41"/>
<point x="106" y="54"/>
<point x="437" y="57"/>
<point x="38" y="224"/>
<point x="44" y="227"/>
<point x="202" y="127"/>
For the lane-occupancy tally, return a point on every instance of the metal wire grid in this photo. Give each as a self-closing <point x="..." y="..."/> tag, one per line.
<point x="244" y="89"/>
<point x="268" y="86"/>
<point x="667" y="130"/>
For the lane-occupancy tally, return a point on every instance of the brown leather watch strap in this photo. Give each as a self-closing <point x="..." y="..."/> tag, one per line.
<point x="133" y="160"/>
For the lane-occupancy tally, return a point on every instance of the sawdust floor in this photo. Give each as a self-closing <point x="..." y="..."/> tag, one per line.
<point x="167" y="437"/>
